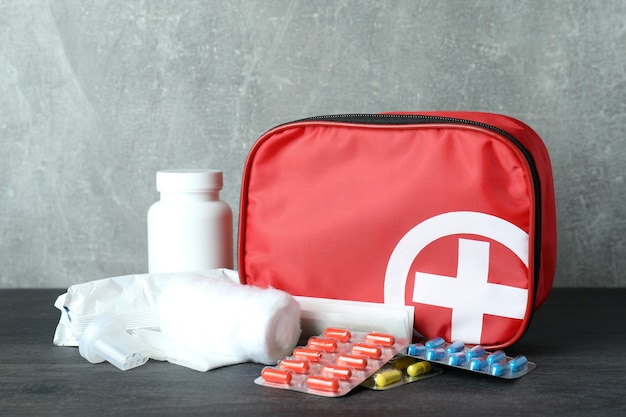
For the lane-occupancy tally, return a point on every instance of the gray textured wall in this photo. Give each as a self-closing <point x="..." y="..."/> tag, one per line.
<point x="96" y="96"/>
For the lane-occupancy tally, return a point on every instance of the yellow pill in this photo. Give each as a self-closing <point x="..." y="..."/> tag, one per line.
<point x="387" y="378"/>
<point x="418" y="368"/>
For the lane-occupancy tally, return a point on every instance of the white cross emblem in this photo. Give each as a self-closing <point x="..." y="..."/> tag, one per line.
<point x="469" y="295"/>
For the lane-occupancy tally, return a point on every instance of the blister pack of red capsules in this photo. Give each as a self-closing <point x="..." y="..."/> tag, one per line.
<point x="474" y="358"/>
<point x="333" y="363"/>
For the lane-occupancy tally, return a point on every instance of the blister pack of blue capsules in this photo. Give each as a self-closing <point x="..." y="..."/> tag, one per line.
<point x="333" y="363"/>
<point x="475" y="358"/>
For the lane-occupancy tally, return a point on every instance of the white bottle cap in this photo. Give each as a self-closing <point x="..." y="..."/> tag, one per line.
<point x="189" y="180"/>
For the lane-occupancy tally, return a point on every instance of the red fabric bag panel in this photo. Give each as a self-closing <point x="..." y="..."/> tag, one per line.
<point x="452" y="213"/>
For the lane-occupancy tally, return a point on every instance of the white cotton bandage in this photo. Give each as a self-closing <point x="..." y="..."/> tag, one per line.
<point x="219" y="318"/>
<point x="202" y="320"/>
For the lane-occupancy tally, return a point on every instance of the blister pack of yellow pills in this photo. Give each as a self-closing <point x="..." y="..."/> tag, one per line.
<point x="333" y="363"/>
<point x="474" y="358"/>
<point x="399" y="371"/>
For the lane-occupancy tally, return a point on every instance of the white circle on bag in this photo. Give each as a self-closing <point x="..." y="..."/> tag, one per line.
<point x="472" y="271"/>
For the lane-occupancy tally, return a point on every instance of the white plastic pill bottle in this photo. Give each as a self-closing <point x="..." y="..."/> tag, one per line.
<point x="189" y="228"/>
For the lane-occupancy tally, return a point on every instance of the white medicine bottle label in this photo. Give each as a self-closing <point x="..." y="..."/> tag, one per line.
<point x="189" y="228"/>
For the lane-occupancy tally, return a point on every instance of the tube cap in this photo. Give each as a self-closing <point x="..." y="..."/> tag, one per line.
<point x="106" y="339"/>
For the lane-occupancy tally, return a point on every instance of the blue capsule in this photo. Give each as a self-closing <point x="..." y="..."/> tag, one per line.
<point x="476" y="352"/>
<point x="518" y="363"/>
<point x="456" y="359"/>
<point x="455" y="347"/>
<point x="435" y="354"/>
<point x="478" y="364"/>
<point x="496" y="357"/>
<point x="498" y="369"/>
<point x="415" y="349"/>
<point x="435" y="343"/>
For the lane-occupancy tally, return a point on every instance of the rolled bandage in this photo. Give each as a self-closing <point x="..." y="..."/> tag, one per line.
<point x="220" y="318"/>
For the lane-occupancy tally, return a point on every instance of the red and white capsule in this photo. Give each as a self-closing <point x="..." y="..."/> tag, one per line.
<point x="320" y="383"/>
<point x="353" y="361"/>
<point x="313" y="355"/>
<point x="327" y="345"/>
<point x="340" y="372"/>
<point x="342" y="335"/>
<point x="370" y="351"/>
<point x="276" y="376"/>
<point x="382" y="339"/>
<point x="295" y="366"/>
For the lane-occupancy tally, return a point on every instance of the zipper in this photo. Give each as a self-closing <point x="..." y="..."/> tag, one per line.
<point x="408" y="119"/>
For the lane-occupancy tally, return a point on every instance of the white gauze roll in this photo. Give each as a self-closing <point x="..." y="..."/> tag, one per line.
<point x="224" y="318"/>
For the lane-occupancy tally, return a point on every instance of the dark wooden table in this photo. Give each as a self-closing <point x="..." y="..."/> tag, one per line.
<point x="577" y="339"/>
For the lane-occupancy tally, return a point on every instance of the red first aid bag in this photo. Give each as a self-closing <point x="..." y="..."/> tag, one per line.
<point x="450" y="212"/>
